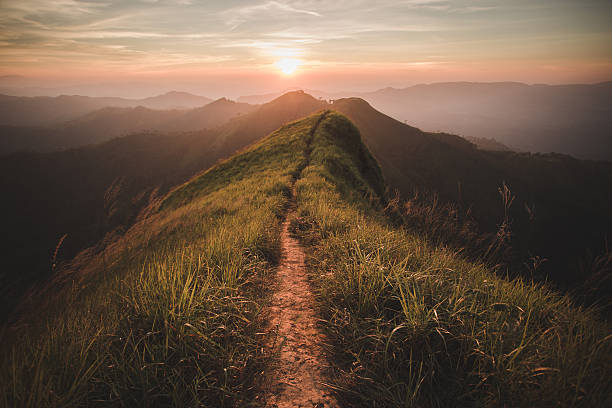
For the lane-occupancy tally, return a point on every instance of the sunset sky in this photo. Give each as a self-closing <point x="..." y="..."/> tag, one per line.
<point x="215" y="48"/>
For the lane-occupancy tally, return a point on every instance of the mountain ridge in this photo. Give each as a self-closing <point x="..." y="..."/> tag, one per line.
<point x="568" y="119"/>
<point x="177" y="297"/>
<point x="48" y="110"/>
<point x="414" y="162"/>
<point x="109" y="122"/>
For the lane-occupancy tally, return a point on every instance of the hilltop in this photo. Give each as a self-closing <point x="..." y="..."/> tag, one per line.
<point x="110" y="122"/>
<point x="568" y="119"/>
<point x="98" y="190"/>
<point x="559" y="209"/>
<point x="169" y="313"/>
<point x="110" y="184"/>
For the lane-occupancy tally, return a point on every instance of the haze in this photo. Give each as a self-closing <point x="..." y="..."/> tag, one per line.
<point x="233" y="48"/>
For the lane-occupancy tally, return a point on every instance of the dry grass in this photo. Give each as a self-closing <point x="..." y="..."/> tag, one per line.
<point x="418" y="325"/>
<point x="168" y="313"/>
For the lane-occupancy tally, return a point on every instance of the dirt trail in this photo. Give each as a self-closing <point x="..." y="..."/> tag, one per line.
<point x="296" y="375"/>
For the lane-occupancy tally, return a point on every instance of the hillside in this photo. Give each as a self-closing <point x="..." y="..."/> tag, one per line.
<point x="85" y="193"/>
<point x="169" y="314"/>
<point x="49" y="111"/>
<point x="105" y="124"/>
<point x="490" y="144"/>
<point x="559" y="213"/>
<point x="173" y="100"/>
<point x="110" y="122"/>
<point x="569" y="119"/>
<point x="93" y="191"/>
<point x="110" y="184"/>
<point x="209" y="116"/>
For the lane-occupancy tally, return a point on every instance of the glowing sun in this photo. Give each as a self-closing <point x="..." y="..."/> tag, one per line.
<point x="288" y="65"/>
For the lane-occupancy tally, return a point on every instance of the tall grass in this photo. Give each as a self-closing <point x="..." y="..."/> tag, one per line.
<point x="418" y="325"/>
<point x="168" y="314"/>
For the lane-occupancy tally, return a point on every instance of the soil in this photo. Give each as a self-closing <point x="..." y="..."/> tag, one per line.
<point x="296" y="375"/>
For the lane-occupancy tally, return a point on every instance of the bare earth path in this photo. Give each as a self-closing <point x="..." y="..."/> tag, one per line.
<point x="296" y="378"/>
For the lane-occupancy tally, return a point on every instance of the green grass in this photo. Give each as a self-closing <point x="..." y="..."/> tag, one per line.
<point x="168" y="314"/>
<point x="417" y="325"/>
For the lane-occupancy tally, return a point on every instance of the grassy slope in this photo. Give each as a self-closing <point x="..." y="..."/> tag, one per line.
<point x="97" y="190"/>
<point x="417" y="325"/>
<point x="569" y="198"/>
<point x="167" y="314"/>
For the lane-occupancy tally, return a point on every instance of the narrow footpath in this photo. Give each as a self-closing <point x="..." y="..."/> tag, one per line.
<point x="296" y="375"/>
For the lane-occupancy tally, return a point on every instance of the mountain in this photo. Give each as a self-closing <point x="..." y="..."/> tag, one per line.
<point x="569" y="119"/>
<point x="209" y="116"/>
<point x="170" y="312"/>
<point x="45" y="110"/>
<point x="485" y="143"/>
<point x="259" y="99"/>
<point x="286" y="108"/>
<point x="416" y="163"/>
<point x="560" y="212"/>
<point x="174" y="100"/>
<point x="93" y="191"/>
<point x="107" y="123"/>
<point x="110" y="122"/>
<point x="269" y="97"/>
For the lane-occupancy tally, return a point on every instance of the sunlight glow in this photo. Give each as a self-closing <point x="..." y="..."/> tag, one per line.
<point x="288" y="65"/>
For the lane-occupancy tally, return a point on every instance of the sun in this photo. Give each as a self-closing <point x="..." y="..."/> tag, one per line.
<point x="288" y="65"/>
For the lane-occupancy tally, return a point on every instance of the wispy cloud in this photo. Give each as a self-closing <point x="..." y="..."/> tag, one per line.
<point x="135" y="33"/>
<point x="239" y="15"/>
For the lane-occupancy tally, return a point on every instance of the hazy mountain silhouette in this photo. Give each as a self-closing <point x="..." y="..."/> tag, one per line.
<point x="92" y="191"/>
<point x="45" y="110"/>
<point x="110" y="122"/>
<point x="570" y="119"/>
<point x="208" y="116"/>
<point x="268" y="117"/>
<point x="260" y="99"/>
<point x="485" y="143"/>
<point x="174" y="100"/>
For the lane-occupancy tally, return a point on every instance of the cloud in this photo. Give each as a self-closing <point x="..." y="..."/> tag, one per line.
<point x="134" y="33"/>
<point x="237" y="16"/>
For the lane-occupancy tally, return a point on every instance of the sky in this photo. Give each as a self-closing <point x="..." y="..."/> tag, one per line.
<point x="232" y="48"/>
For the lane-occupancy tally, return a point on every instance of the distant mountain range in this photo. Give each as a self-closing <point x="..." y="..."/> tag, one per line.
<point x="46" y="110"/>
<point x="569" y="119"/>
<point x="110" y="122"/>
